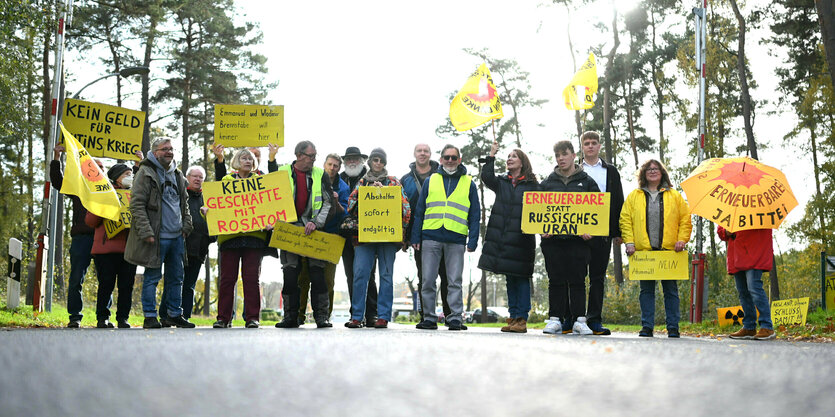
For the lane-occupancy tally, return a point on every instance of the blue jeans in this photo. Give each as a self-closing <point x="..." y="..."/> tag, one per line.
<point x="171" y="257"/>
<point x="671" y="303"/>
<point x="518" y="296"/>
<point x="80" y="257"/>
<point x="752" y="297"/>
<point x="364" y="256"/>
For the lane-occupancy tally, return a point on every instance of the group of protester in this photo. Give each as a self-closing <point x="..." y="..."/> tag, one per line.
<point x="440" y="212"/>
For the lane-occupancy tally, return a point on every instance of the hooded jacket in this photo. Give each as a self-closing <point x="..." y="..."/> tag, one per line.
<point x="748" y="249"/>
<point x="578" y="181"/>
<point x="443" y="235"/>
<point x="506" y="249"/>
<point x="146" y="211"/>
<point x="675" y="223"/>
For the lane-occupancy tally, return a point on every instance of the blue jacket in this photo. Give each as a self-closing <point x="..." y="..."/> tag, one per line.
<point x="341" y="187"/>
<point x="443" y="235"/>
<point x="410" y="189"/>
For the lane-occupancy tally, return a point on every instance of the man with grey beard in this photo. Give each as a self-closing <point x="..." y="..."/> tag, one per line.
<point x="354" y="169"/>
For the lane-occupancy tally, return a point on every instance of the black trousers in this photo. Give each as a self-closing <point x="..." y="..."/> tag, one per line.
<point x="371" y="297"/>
<point x="601" y="247"/>
<point x="112" y="268"/>
<point x="566" y="261"/>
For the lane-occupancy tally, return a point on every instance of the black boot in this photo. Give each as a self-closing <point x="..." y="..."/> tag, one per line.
<point x="320" y="303"/>
<point x="291" y="312"/>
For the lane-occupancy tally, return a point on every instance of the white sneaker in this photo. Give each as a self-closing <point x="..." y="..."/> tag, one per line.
<point x="580" y="326"/>
<point x="552" y="326"/>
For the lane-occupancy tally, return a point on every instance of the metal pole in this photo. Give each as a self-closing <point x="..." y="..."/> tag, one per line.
<point x="45" y="266"/>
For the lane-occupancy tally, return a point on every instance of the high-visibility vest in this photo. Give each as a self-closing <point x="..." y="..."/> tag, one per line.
<point x="315" y="193"/>
<point x="449" y="212"/>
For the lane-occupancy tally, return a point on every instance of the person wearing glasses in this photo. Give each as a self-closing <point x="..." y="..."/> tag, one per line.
<point x="384" y="252"/>
<point x="656" y="217"/>
<point x="160" y="221"/>
<point x="312" y="192"/>
<point x="446" y="225"/>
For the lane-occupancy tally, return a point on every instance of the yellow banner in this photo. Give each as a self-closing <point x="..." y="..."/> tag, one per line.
<point x="112" y="228"/>
<point x="579" y="94"/>
<point x="250" y="204"/>
<point x="788" y="312"/>
<point x="659" y="264"/>
<point x="317" y="245"/>
<point x="559" y="213"/>
<point x="238" y="125"/>
<point x="477" y="102"/>
<point x="380" y="214"/>
<point x="104" y="130"/>
<point x="83" y="178"/>
<point x="727" y="316"/>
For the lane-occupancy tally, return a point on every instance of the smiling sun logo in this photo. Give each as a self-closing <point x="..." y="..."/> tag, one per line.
<point x="740" y="174"/>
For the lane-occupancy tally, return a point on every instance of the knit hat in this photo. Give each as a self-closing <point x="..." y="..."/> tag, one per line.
<point x="378" y="153"/>
<point x="116" y="171"/>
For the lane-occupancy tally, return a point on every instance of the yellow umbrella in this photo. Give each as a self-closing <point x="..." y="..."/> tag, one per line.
<point x="739" y="193"/>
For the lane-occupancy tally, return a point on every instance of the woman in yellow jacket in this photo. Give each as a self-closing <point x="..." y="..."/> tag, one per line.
<point x="656" y="217"/>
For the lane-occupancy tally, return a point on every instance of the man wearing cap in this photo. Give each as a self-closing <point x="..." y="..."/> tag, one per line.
<point x="312" y="194"/>
<point x="446" y="224"/>
<point x="160" y="221"/>
<point x="355" y="168"/>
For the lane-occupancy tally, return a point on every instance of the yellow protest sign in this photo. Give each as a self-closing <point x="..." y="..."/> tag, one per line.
<point x="105" y="130"/>
<point x="790" y="311"/>
<point x="112" y="228"/>
<point x="380" y="216"/>
<point x="250" y="204"/>
<point x="659" y="264"/>
<point x="726" y="316"/>
<point x="317" y="245"/>
<point x="559" y="213"/>
<point x="240" y="125"/>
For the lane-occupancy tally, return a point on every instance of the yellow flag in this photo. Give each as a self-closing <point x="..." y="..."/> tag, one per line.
<point x="578" y="94"/>
<point x="477" y="102"/>
<point x="85" y="179"/>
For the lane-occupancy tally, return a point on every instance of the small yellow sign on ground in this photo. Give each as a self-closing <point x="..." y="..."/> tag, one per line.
<point x="790" y="311"/>
<point x="727" y="316"/>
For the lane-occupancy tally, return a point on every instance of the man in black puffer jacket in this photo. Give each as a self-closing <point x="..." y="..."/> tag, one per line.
<point x="567" y="256"/>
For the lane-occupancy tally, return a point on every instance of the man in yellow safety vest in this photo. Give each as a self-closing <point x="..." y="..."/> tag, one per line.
<point x="446" y="224"/>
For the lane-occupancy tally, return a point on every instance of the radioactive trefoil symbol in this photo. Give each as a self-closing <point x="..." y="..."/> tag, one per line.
<point x="737" y="317"/>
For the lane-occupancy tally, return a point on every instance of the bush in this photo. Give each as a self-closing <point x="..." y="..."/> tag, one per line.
<point x="270" y="314"/>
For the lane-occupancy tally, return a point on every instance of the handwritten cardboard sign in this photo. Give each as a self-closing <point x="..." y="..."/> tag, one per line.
<point x="105" y="130"/>
<point x="239" y="125"/>
<point x="659" y="264"/>
<point x="380" y="214"/>
<point x="559" y="213"/>
<point x="250" y="204"/>
<point x="727" y="316"/>
<point x="317" y="245"/>
<point x="790" y="311"/>
<point x="112" y="228"/>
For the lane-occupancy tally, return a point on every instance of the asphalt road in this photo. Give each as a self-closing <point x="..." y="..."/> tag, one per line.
<point x="401" y="371"/>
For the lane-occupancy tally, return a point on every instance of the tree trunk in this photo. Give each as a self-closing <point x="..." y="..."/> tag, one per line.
<point x="630" y="122"/>
<point x="146" y="79"/>
<point x="659" y="93"/>
<point x="819" y="197"/>
<point x="607" y="93"/>
<point x="826" y="16"/>
<point x="743" y="83"/>
<point x="577" y="117"/>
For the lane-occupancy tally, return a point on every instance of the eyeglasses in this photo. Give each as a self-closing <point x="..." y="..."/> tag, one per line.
<point x="653" y="169"/>
<point x="165" y="149"/>
<point x="309" y="155"/>
<point x="450" y="157"/>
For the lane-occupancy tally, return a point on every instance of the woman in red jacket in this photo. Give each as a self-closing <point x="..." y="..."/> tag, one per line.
<point x="749" y="254"/>
<point x="109" y="256"/>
